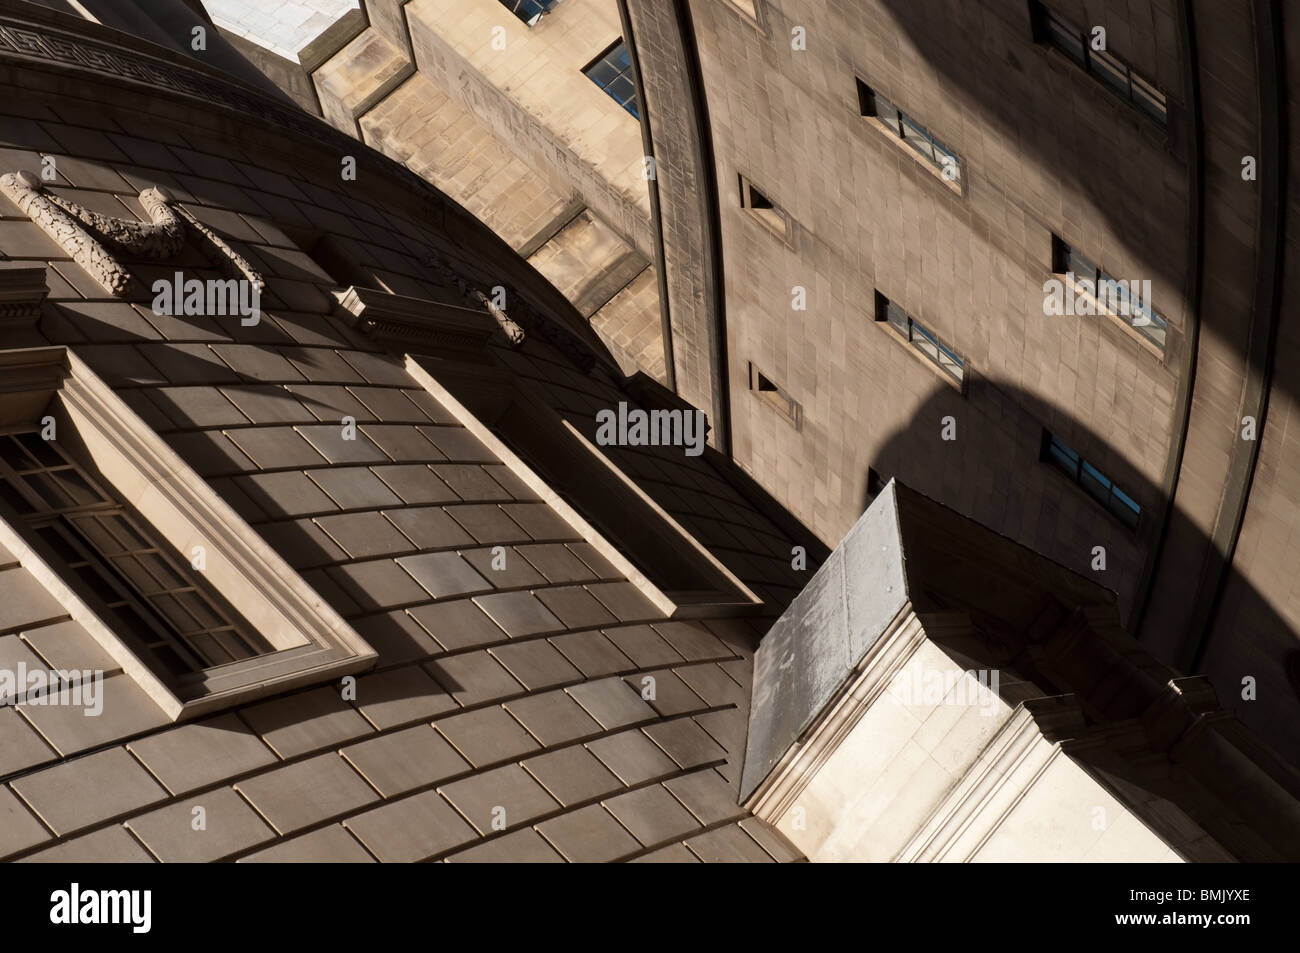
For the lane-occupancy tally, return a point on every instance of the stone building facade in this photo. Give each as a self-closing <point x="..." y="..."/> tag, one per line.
<point x="347" y="501"/>
<point x="456" y="624"/>
<point x="1145" y="144"/>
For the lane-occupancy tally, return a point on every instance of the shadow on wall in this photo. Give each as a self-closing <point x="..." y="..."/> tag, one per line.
<point x="1049" y="512"/>
<point x="1081" y="160"/>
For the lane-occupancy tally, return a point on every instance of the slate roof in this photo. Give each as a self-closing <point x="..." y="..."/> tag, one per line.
<point x="519" y="690"/>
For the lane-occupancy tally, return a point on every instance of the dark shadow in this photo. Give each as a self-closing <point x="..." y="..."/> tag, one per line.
<point x="1047" y="511"/>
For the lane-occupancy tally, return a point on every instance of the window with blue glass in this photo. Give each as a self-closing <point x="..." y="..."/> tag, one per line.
<point x="1093" y="482"/>
<point x="612" y="72"/>
<point x="920" y="337"/>
<point x="530" y="11"/>
<point x="1114" y="295"/>
<point x="1110" y="71"/>
<point x="910" y="132"/>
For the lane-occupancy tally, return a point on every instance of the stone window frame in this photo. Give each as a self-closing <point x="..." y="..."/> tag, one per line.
<point x="775" y="397"/>
<point x="764" y="209"/>
<point x="752" y="12"/>
<point x="311" y="642"/>
<point x="476" y="394"/>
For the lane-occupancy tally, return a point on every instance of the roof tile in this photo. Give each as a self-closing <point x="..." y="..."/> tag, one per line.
<point x="124" y="709"/>
<point x="612" y="702"/>
<point x="632" y="756"/>
<point x="509" y="787"/>
<point x="411" y="829"/>
<point x="307" y="721"/>
<point x="296" y="795"/>
<point x="685" y="742"/>
<point x="443" y="574"/>
<point x="228" y="825"/>
<point x="536" y="663"/>
<point x="473" y="677"/>
<point x="486" y="735"/>
<point x="400" y="696"/>
<point x="652" y="815"/>
<point x="524" y="846"/>
<point x="589" y="835"/>
<point x="19" y="828"/>
<point x="706" y="796"/>
<point x="727" y="845"/>
<point x="199" y="753"/>
<point x="76" y="794"/>
<point x="109" y="845"/>
<point x="329" y="845"/>
<point x="553" y="717"/>
<point x="20" y="745"/>
<point x="592" y="653"/>
<point x="572" y="774"/>
<point x="457" y="624"/>
<point x="518" y="613"/>
<point x="406" y="759"/>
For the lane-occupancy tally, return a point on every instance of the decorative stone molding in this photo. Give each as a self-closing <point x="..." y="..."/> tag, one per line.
<point x="24" y="190"/>
<point x="781" y="788"/>
<point x="415" y="324"/>
<point x="221" y="254"/>
<point x="163" y="238"/>
<point x="514" y="333"/>
<point x="554" y="442"/>
<point x="1020" y="754"/>
<point x="22" y="289"/>
<point x="525" y="318"/>
<point x="83" y="234"/>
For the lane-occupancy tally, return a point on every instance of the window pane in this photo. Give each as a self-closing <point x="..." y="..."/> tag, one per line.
<point x="925" y="342"/>
<point x="1125" y="507"/>
<point x="1063" y="457"/>
<point x="1070" y="42"/>
<point x="1150" y="100"/>
<point x="890" y="116"/>
<point x="917" y="138"/>
<point x="100" y="539"/>
<point x="621" y="89"/>
<point x="948" y="163"/>
<point x="1081" y="266"/>
<point x="40" y="450"/>
<point x="897" y="319"/>
<point x="1155" y="331"/>
<point x="603" y="73"/>
<point x="1110" y="71"/>
<point x="1092" y="480"/>
<point x="76" y="487"/>
<point x="15" y="499"/>
<point x="11" y="452"/>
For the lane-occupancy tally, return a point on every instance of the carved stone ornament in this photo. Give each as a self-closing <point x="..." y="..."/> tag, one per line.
<point x="525" y="317"/>
<point x="514" y="333"/>
<point x="91" y="239"/>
